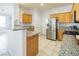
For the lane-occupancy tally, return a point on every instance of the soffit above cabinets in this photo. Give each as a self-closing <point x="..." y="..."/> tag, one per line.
<point x="46" y="6"/>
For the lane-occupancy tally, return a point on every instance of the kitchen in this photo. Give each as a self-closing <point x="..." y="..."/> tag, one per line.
<point x="29" y="22"/>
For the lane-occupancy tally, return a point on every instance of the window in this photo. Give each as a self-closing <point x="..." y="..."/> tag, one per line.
<point x="2" y="21"/>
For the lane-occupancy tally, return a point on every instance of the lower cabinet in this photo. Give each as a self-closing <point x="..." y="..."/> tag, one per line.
<point x="32" y="45"/>
<point x="60" y="35"/>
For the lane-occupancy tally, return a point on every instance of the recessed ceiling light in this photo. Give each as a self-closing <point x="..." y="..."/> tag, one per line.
<point x="42" y="4"/>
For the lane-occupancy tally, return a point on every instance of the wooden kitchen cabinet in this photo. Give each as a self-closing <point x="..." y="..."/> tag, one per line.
<point x="76" y="8"/>
<point x="63" y="17"/>
<point x="26" y="18"/>
<point x="32" y="45"/>
<point x="68" y="17"/>
<point x="30" y="18"/>
<point x="60" y="34"/>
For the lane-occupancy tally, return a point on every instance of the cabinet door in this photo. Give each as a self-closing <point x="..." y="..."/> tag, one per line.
<point x="68" y="17"/>
<point x="60" y="35"/>
<point x="61" y="18"/>
<point x="27" y="18"/>
<point x="35" y="49"/>
<point x="30" y="46"/>
<point x="30" y="18"/>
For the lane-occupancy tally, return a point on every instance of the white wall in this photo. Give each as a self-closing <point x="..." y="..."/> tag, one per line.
<point x="16" y="13"/>
<point x="36" y="16"/>
<point x="45" y="15"/>
<point x="24" y="10"/>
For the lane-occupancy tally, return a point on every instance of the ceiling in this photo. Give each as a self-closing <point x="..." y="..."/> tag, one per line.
<point x="45" y="7"/>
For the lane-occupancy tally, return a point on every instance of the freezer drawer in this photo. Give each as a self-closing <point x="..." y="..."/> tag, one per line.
<point x="50" y="35"/>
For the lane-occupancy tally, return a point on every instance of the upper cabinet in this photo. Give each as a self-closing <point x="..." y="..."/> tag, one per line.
<point x="76" y="8"/>
<point x="63" y="17"/>
<point x="26" y="18"/>
<point x="68" y="17"/>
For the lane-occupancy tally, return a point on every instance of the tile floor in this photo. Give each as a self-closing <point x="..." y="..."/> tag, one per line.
<point x="69" y="46"/>
<point x="48" y="47"/>
<point x="66" y="47"/>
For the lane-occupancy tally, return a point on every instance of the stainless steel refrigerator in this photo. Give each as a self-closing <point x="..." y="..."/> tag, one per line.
<point x="51" y="32"/>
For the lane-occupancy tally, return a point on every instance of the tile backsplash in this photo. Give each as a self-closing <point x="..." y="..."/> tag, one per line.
<point x="67" y="26"/>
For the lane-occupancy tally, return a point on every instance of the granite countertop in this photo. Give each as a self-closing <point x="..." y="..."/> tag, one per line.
<point x="20" y="28"/>
<point x="71" y="32"/>
<point x="31" y="33"/>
